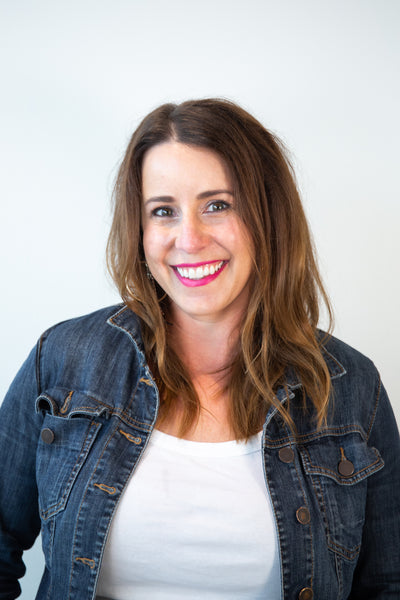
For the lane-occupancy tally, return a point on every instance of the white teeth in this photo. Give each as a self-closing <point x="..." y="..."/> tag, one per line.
<point x="199" y="272"/>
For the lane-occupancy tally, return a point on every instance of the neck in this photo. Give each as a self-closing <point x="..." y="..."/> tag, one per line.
<point x="205" y="347"/>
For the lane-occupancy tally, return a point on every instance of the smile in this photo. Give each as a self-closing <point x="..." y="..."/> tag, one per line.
<point x="199" y="274"/>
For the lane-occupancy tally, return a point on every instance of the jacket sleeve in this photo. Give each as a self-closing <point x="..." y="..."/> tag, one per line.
<point x="377" y="575"/>
<point x="19" y="515"/>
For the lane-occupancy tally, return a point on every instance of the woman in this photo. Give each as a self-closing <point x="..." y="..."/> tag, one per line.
<point x="264" y="452"/>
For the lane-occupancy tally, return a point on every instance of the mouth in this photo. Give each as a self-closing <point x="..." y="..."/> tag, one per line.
<point x="199" y="273"/>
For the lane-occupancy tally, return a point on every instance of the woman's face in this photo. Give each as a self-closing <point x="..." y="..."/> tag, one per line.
<point x="196" y="246"/>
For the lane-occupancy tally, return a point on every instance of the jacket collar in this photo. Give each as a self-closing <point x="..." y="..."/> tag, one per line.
<point x="125" y="320"/>
<point x="335" y="368"/>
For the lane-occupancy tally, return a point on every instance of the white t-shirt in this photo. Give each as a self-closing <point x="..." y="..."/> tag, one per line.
<point x="195" y="522"/>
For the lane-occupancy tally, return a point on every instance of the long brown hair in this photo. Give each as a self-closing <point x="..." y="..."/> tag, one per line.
<point x="279" y="330"/>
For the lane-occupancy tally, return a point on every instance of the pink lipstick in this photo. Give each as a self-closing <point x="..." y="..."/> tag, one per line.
<point x="198" y="274"/>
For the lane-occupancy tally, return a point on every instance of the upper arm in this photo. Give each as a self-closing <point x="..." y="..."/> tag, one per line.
<point x="19" y="517"/>
<point x="377" y="575"/>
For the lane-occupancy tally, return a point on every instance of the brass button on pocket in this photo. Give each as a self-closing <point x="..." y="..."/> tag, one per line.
<point x="303" y="515"/>
<point x="47" y="436"/>
<point x="346" y="468"/>
<point x="286" y="455"/>
<point x="306" y="594"/>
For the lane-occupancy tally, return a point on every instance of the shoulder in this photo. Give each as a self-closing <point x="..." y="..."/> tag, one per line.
<point x="92" y="343"/>
<point x="98" y="325"/>
<point x="356" y="383"/>
<point x="350" y="359"/>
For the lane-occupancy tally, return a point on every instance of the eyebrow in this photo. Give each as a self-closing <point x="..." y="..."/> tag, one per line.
<point x="201" y="196"/>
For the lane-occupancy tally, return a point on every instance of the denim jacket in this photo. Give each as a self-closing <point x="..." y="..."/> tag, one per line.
<point x="78" y="417"/>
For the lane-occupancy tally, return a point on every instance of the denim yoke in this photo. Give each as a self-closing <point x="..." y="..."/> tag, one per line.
<point x="78" y="417"/>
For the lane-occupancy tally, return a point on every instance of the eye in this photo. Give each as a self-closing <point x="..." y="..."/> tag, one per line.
<point x="218" y="206"/>
<point x="162" y="211"/>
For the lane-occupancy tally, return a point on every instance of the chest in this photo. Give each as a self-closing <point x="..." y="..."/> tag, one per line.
<point x="195" y="519"/>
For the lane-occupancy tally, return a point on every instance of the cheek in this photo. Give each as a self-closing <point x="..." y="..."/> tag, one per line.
<point x="148" y="240"/>
<point x="154" y="244"/>
<point x="240" y="238"/>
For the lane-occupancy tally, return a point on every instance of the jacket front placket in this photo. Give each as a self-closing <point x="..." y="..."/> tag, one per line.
<point x="124" y="441"/>
<point x="291" y="506"/>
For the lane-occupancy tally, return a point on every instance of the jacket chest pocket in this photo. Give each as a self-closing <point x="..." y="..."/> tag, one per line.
<point x="63" y="447"/>
<point x="339" y="467"/>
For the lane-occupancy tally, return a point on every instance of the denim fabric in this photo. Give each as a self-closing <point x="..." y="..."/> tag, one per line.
<point x="77" y="419"/>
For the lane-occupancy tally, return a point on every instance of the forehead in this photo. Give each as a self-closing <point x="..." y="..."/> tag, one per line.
<point x="176" y="164"/>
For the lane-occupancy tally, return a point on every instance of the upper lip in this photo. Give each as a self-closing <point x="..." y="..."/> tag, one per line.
<point x="198" y="264"/>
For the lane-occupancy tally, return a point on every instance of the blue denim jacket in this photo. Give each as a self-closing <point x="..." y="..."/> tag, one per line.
<point x="77" y="419"/>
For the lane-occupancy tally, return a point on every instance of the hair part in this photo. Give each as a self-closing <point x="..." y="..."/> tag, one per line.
<point x="279" y="330"/>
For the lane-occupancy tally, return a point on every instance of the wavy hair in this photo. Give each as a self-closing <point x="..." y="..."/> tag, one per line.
<point x="279" y="330"/>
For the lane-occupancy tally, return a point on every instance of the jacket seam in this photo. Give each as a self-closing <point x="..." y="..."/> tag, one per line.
<point x="130" y="402"/>
<point x="306" y="503"/>
<point x="319" y="493"/>
<point x="82" y="503"/>
<point x="37" y="365"/>
<point x="351" y="428"/>
<point x="54" y="508"/>
<point x="375" y="409"/>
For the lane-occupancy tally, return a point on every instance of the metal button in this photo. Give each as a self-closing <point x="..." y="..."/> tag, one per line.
<point x="306" y="594"/>
<point x="346" y="468"/>
<point x="47" y="436"/>
<point x="303" y="515"/>
<point x="286" y="454"/>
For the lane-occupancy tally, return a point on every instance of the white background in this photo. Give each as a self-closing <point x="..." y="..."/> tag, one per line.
<point x="76" y="78"/>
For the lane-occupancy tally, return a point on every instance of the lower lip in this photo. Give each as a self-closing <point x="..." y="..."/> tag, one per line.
<point x="198" y="282"/>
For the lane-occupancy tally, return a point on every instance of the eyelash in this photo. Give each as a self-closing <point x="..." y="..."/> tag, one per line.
<point x="168" y="211"/>
<point x="155" y="212"/>
<point x="221" y="204"/>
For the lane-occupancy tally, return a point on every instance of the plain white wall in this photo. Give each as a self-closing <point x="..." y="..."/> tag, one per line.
<point x="76" y="77"/>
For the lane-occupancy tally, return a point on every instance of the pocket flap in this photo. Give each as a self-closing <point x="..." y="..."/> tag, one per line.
<point x="70" y="403"/>
<point x="345" y="458"/>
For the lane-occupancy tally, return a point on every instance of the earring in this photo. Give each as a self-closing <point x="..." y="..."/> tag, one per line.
<point x="148" y="272"/>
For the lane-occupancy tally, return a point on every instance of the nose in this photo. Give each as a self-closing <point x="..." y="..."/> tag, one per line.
<point x="191" y="235"/>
